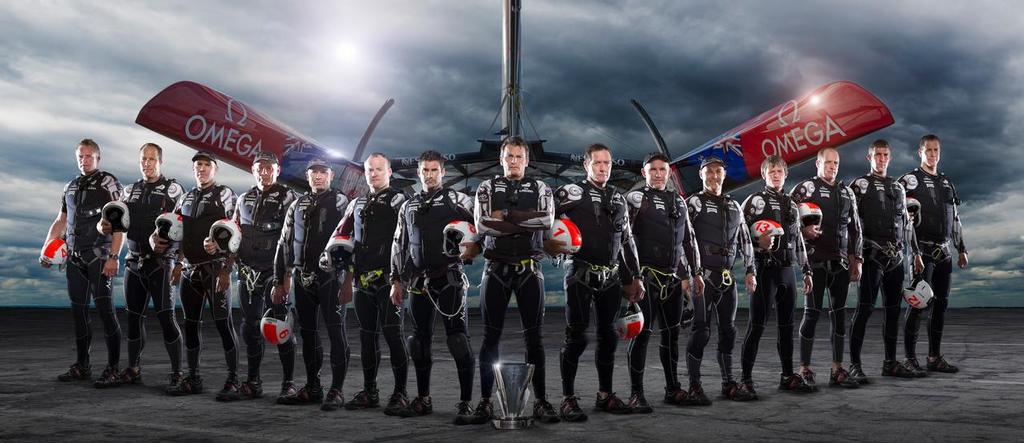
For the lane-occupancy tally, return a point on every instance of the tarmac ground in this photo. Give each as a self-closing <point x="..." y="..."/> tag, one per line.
<point x="980" y="403"/>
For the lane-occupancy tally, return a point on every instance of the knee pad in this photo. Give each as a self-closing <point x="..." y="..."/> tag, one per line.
<point x="419" y="349"/>
<point x="458" y="345"/>
<point x="575" y="335"/>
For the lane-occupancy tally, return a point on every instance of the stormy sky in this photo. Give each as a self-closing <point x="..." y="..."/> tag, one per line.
<point x="70" y="70"/>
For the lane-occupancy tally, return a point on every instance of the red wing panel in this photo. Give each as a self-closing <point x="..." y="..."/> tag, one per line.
<point x="203" y="118"/>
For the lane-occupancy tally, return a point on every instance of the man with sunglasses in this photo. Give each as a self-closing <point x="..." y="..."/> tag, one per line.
<point x="721" y="236"/>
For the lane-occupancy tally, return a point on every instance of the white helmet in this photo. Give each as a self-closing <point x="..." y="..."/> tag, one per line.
<point x="919" y="294"/>
<point x="456" y="233"/>
<point x="276" y="332"/>
<point x="338" y="253"/>
<point x="169" y="226"/>
<point x="566" y="232"/>
<point x="116" y="213"/>
<point x="54" y="252"/>
<point x="914" y="208"/>
<point x="226" y="234"/>
<point x="631" y="323"/>
<point x="810" y="214"/>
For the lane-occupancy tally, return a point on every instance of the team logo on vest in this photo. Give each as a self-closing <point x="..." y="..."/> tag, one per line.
<point x="862" y="185"/>
<point x="695" y="203"/>
<point x="758" y="204"/>
<point x="911" y="181"/>
<point x="809" y="187"/>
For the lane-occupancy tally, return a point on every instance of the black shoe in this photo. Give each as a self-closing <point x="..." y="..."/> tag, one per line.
<point x="857" y="374"/>
<point x="808" y="376"/>
<point x="842" y="379"/>
<point x="570" y="410"/>
<point x="398" y="405"/>
<point x="173" y="382"/>
<point x="130" y="377"/>
<point x="915" y="367"/>
<point x="611" y="404"/>
<point x="893" y="368"/>
<point x="108" y="379"/>
<point x="734" y="391"/>
<point x="748" y="388"/>
<point x="309" y="395"/>
<point x="363" y="400"/>
<point x="638" y="403"/>
<point x="941" y="365"/>
<point x="230" y="390"/>
<point x="76" y="372"/>
<point x="287" y="390"/>
<point x="484" y="412"/>
<point x="421" y="406"/>
<point x="464" y="413"/>
<point x="191" y="384"/>
<point x="793" y="383"/>
<point x="333" y="401"/>
<point x="544" y="412"/>
<point x="675" y="395"/>
<point x="252" y="388"/>
<point x="696" y="396"/>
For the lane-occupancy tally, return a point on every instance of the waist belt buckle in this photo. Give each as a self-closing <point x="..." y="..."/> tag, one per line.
<point x="370" y="277"/>
<point x="307" y="278"/>
<point x="523" y="266"/>
<point x="726" y="277"/>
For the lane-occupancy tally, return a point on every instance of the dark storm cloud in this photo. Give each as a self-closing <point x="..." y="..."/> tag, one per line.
<point x="73" y="70"/>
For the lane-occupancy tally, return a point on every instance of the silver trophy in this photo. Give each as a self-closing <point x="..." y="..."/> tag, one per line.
<point x="512" y="379"/>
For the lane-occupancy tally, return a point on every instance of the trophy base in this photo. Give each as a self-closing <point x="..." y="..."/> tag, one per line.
<point x="512" y="423"/>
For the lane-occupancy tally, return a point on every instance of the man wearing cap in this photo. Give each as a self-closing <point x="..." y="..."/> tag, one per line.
<point x="260" y="213"/>
<point x="603" y="271"/>
<point x="667" y="248"/>
<point x="92" y="260"/>
<point x="148" y="273"/>
<point x="205" y="277"/>
<point x="938" y="229"/>
<point x="307" y="227"/>
<point x="721" y="236"/>
<point x="426" y="260"/>
<point x="882" y="206"/>
<point x="512" y="213"/>
<point x="370" y="221"/>
<point x="776" y="255"/>
<point x="834" y="250"/>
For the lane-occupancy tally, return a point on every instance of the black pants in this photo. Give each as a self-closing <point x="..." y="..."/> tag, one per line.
<point x="834" y="277"/>
<point x="145" y="280"/>
<point x="254" y="296"/>
<point x="319" y="298"/>
<point x="444" y="296"/>
<point x="885" y="276"/>
<point x="581" y="291"/>
<point x="377" y="315"/>
<point x="499" y="282"/>
<point x="938" y="275"/>
<point x="86" y="282"/>
<point x="776" y="286"/>
<point x="664" y="305"/>
<point x="718" y="301"/>
<point x="198" y="285"/>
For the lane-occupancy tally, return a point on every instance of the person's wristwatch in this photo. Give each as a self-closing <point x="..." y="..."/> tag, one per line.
<point x="112" y="257"/>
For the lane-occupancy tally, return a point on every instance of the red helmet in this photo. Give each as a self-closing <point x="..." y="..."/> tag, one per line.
<point x="810" y="214"/>
<point x="455" y="233"/>
<point x="276" y="331"/>
<point x="55" y="252"/>
<point x="919" y="294"/>
<point x="629" y="325"/>
<point x="565" y="231"/>
<point x="764" y="227"/>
